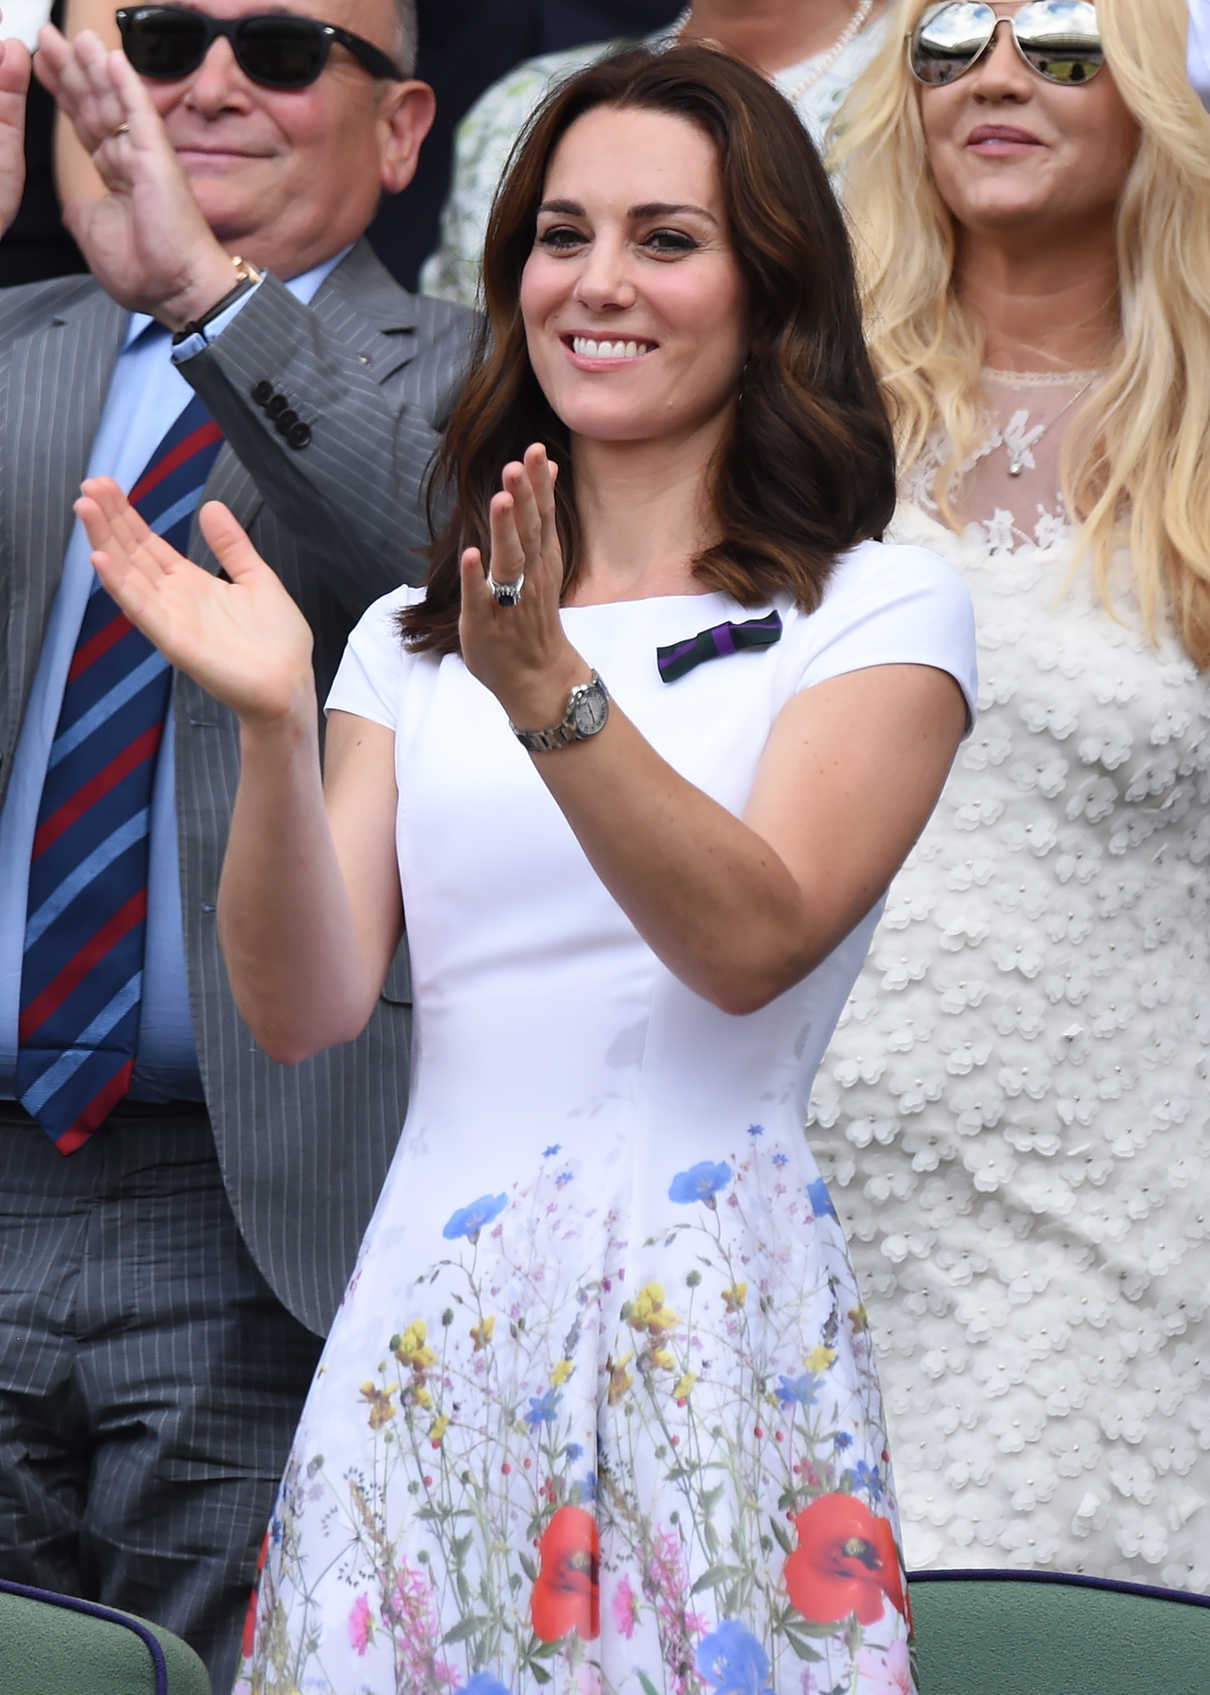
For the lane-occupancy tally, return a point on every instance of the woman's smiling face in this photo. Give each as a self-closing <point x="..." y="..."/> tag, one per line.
<point x="1008" y="148"/>
<point x="632" y="297"/>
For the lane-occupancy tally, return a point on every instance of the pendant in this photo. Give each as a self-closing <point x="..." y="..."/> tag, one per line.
<point x="1015" y="469"/>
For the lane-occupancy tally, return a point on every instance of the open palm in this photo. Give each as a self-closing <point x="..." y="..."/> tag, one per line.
<point x="243" y="640"/>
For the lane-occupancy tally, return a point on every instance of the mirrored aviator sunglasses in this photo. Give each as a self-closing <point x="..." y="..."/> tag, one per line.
<point x="275" y="49"/>
<point x="1060" y="40"/>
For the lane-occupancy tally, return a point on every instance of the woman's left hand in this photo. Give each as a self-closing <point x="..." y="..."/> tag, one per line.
<point x="520" y="651"/>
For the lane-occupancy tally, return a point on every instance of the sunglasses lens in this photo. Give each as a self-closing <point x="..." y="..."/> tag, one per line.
<point x="161" y="41"/>
<point x="1060" y="40"/>
<point x="948" y="39"/>
<point x="281" y="51"/>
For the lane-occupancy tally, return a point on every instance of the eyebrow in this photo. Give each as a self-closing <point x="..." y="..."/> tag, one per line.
<point x="649" y="209"/>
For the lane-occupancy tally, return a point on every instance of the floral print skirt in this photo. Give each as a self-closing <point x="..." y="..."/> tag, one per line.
<point x="591" y="1445"/>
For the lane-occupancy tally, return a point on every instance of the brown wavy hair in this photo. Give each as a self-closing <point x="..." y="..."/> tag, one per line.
<point x="807" y="468"/>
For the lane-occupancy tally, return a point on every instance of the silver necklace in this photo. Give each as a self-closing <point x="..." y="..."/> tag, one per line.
<point x="820" y="63"/>
<point x="1016" y="461"/>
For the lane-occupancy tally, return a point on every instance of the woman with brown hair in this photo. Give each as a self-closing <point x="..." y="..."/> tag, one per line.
<point x="599" y="1411"/>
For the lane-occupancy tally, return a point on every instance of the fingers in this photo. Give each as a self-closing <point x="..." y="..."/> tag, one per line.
<point x="97" y="90"/>
<point x="228" y="541"/>
<point x="113" y="525"/>
<point x="14" y="75"/>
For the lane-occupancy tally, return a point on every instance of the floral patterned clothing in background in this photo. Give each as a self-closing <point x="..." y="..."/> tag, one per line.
<point x="598" y="1412"/>
<point x="1014" y="1114"/>
<point x="486" y="135"/>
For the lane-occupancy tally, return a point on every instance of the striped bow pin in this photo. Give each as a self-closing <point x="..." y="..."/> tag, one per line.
<point x="86" y="918"/>
<point x="679" y="658"/>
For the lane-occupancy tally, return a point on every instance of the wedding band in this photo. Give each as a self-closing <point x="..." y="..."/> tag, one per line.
<point x="119" y="129"/>
<point x="506" y="594"/>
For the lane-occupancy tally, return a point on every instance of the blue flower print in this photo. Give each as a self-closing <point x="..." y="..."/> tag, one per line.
<point x="821" y="1201"/>
<point x="781" y="1159"/>
<point x="572" y="1451"/>
<point x="756" y="1129"/>
<point x="700" y="1183"/>
<point x="841" y="1441"/>
<point x="798" y="1391"/>
<point x="867" y="1477"/>
<point x="483" y="1683"/>
<point x="544" y="1409"/>
<point x="733" y="1662"/>
<point x="469" y="1221"/>
<point x="552" y="1150"/>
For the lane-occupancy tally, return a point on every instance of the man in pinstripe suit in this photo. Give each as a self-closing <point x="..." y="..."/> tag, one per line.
<point x="162" y="1290"/>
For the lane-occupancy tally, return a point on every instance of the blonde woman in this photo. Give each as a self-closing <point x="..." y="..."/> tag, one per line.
<point x="1015" y="1113"/>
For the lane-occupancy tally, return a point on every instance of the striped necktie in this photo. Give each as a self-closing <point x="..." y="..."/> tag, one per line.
<point x="86" y="918"/>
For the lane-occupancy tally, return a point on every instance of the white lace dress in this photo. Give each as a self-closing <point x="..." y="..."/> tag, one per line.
<point x="1014" y="1115"/>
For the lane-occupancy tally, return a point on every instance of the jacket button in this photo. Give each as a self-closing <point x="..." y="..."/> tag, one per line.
<point x="261" y="391"/>
<point x="276" y="404"/>
<point x="300" y="435"/>
<point x="285" y="421"/>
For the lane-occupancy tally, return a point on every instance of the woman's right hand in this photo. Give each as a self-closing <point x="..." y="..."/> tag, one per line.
<point x="243" y="640"/>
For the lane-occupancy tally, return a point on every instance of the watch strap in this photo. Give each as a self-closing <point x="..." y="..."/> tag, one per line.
<point x="567" y="730"/>
<point x="247" y="276"/>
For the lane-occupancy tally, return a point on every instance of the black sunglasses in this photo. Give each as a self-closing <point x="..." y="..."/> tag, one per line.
<point x="1058" y="39"/>
<point x="276" y="49"/>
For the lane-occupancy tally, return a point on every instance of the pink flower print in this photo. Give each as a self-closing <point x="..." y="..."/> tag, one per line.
<point x="885" y="1671"/>
<point x="625" y="1607"/>
<point x="361" y="1624"/>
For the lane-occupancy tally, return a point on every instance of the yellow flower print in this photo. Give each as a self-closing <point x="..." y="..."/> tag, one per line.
<point x="379" y="1403"/>
<point x="684" y="1386"/>
<point x="438" y="1429"/>
<point x="481" y="1333"/>
<point x="859" y="1318"/>
<point x="421" y="1395"/>
<point x="619" y="1378"/>
<point x="662" y="1358"/>
<point x="648" y="1312"/>
<point x="820" y="1358"/>
<point x="735" y="1296"/>
<point x="561" y="1372"/>
<point x="412" y="1347"/>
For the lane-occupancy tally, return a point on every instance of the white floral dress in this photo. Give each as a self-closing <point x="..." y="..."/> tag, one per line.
<point x="598" y="1411"/>
<point x="1014" y="1114"/>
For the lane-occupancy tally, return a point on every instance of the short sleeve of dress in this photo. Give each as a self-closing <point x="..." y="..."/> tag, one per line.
<point x="886" y="605"/>
<point x="369" y="679"/>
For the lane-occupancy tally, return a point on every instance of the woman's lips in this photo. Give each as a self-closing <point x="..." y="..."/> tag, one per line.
<point x="991" y="135"/>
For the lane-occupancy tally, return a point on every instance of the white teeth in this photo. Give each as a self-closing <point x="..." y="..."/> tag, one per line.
<point x="586" y="348"/>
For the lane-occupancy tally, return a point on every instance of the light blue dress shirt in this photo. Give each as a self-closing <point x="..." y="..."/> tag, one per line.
<point x="147" y="392"/>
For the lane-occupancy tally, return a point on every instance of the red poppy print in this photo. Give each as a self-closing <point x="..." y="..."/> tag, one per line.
<point x="566" y="1595"/>
<point x="846" y="1562"/>
<point x="249" y="1637"/>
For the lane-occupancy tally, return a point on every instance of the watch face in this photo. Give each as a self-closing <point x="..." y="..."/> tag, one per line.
<point x="591" y="709"/>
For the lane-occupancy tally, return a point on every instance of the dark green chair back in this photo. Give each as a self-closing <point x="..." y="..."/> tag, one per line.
<point x="1046" y="1633"/>
<point x="56" y="1645"/>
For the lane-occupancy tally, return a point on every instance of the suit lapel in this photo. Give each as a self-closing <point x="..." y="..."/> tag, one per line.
<point x="53" y="385"/>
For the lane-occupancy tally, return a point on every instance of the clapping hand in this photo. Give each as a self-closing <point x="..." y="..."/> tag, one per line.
<point x="14" y="83"/>
<point x="520" y="651"/>
<point x="243" y="640"/>
<point x="145" y="238"/>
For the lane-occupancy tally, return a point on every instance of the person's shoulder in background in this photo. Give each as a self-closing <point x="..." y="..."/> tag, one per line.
<point x="482" y="146"/>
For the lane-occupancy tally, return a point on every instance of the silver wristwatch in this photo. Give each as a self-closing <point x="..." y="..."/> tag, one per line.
<point x="587" y="710"/>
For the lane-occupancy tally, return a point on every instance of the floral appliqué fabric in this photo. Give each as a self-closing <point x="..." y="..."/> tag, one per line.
<point x="659" y="1479"/>
<point x="1014" y="1114"/>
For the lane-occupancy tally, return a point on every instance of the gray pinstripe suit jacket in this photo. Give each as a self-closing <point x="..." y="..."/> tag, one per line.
<point x="371" y="370"/>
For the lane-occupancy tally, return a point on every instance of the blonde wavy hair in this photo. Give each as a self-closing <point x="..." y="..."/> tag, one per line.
<point x="1135" y="465"/>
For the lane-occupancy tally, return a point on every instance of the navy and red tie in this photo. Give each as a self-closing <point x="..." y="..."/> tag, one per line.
<point x="86" y="919"/>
